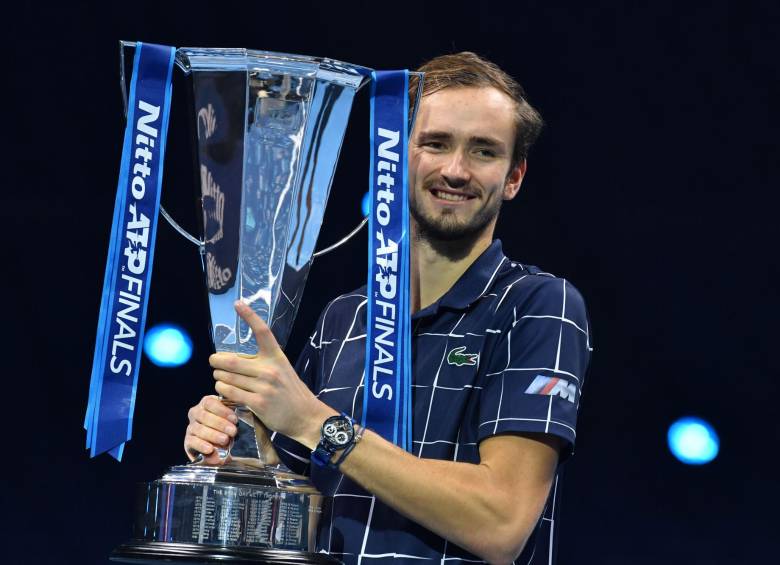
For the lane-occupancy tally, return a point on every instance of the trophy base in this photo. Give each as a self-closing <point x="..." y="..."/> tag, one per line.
<point x="240" y="511"/>
<point x="155" y="552"/>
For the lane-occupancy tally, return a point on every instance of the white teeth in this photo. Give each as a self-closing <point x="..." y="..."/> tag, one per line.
<point x="449" y="196"/>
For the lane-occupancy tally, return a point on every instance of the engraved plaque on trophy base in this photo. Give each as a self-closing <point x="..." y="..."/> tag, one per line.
<point x="225" y="514"/>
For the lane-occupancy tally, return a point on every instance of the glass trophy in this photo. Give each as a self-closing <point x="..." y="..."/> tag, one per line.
<point x="269" y="128"/>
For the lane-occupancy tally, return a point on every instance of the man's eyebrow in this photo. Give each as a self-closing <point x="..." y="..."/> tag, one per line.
<point x="434" y="135"/>
<point x="489" y="141"/>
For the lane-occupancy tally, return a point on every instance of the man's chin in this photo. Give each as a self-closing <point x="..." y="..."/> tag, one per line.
<point x="449" y="235"/>
<point x="447" y="232"/>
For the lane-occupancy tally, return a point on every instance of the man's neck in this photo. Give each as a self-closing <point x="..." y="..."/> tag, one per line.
<point x="436" y="266"/>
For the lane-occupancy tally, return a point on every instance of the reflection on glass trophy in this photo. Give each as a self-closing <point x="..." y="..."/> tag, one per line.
<point x="269" y="131"/>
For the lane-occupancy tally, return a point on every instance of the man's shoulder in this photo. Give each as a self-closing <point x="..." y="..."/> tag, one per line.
<point x="528" y="287"/>
<point x="346" y="302"/>
<point x="342" y="313"/>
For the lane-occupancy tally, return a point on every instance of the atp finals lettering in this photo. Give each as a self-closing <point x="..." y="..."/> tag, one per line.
<point x="137" y="240"/>
<point x="387" y="273"/>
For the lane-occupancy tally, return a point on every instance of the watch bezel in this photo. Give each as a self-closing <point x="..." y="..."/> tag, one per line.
<point x="327" y="436"/>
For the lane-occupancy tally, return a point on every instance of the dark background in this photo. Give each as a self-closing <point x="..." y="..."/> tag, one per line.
<point x="652" y="189"/>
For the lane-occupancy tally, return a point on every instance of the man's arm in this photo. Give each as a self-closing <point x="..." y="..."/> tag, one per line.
<point x="488" y="508"/>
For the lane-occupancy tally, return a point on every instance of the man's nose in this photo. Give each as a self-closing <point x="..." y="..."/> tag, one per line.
<point x="455" y="170"/>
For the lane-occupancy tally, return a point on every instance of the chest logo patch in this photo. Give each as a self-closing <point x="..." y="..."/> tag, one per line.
<point x="458" y="358"/>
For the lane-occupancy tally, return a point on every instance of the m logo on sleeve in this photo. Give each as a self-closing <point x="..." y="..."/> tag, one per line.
<point x="458" y="358"/>
<point x="552" y="386"/>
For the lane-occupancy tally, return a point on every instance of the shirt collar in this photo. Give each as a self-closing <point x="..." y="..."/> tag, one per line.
<point x="472" y="284"/>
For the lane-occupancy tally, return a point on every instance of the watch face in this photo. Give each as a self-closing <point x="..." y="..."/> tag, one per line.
<point x="338" y="431"/>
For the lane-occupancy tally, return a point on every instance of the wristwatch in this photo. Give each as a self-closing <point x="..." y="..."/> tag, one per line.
<point x="338" y="432"/>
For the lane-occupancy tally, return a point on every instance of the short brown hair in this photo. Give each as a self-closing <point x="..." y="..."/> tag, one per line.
<point x="467" y="69"/>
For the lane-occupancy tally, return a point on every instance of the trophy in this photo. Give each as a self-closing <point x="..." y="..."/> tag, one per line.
<point x="269" y="129"/>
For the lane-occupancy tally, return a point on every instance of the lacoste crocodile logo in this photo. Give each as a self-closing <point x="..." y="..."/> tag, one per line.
<point x="458" y="358"/>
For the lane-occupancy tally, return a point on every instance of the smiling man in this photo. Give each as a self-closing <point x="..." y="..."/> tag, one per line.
<point x="499" y="355"/>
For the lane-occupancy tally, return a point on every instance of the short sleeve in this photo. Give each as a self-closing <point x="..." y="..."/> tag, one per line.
<point x="534" y="377"/>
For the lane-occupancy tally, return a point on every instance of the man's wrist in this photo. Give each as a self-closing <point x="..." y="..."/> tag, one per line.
<point x="312" y="428"/>
<point x="340" y="455"/>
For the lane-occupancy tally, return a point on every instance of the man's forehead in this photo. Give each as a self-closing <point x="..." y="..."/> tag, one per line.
<point x="488" y="97"/>
<point x="476" y="112"/>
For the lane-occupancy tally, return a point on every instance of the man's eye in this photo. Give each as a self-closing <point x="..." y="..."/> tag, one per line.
<point x="488" y="153"/>
<point x="433" y="144"/>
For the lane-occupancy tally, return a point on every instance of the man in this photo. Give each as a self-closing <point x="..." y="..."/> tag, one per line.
<point x="499" y="354"/>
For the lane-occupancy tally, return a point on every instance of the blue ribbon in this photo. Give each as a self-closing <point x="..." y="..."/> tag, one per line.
<point x="120" y="333"/>
<point x="387" y="393"/>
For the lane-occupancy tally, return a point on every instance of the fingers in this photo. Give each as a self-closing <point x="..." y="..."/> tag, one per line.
<point x="259" y="384"/>
<point x="208" y="435"/>
<point x="202" y="418"/>
<point x="213" y="405"/>
<point x="194" y="446"/>
<point x="235" y="364"/>
<point x="211" y="424"/>
<point x="215" y="415"/>
<point x="234" y="394"/>
<point x="266" y="342"/>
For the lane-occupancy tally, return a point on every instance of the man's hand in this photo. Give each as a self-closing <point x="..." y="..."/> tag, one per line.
<point x="212" y="424"/>
<point x="268" y="385"/>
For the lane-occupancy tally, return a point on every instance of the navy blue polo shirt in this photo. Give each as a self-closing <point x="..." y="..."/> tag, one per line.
<point x="505" y="350"/>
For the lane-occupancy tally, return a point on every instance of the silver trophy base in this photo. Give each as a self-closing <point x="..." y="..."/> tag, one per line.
<point x="233" y="513"/>
<point x="155" y="552"/>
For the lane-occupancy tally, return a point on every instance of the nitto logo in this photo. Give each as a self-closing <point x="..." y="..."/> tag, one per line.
<point x="458" y="358"/>
<point x="553" y="386"/>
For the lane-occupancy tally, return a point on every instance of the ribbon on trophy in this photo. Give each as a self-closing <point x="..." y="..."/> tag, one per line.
<point x="120" y="333"/>
<point x="387" y="394"/>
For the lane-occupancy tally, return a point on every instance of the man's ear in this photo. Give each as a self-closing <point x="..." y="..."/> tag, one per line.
<point x="514" y="179"/>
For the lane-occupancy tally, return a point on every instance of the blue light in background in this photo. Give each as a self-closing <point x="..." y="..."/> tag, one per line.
<point x="167" y="345"/>
<point x="693" y="441"/>
<point x="365" y="204"/>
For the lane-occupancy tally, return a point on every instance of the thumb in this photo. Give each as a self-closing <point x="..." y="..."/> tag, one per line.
<point x="266" y="342"/>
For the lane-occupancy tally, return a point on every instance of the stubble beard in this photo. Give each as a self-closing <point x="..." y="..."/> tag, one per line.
<point x="450" y="236"/>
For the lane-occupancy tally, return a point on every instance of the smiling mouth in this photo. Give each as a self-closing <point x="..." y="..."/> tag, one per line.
<point x="451" y="196"/>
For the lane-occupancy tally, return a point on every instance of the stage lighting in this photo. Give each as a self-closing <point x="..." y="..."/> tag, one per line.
<point x="365" y="204"/>
<point x="693" y="441"/>
<point x="167" y="345"/>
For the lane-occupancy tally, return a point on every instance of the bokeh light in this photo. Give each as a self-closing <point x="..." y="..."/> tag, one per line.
<point x="693" y="441"/>
<point x="167" y="345"/>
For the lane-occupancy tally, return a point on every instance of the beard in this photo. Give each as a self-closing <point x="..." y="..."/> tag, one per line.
<point x="446" y="227"/>
<point x="450" y="236"/>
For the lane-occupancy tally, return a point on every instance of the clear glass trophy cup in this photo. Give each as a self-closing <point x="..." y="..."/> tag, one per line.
<point x="269" y="131"/>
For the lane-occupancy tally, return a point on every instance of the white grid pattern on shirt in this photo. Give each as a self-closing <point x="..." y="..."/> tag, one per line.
<point x="555" y="369"/>
<point x="435" y="386"/>
<point x="435" y="381"/>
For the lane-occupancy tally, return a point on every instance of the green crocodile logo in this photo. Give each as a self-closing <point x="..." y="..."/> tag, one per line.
<point x="458" y="358"/>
